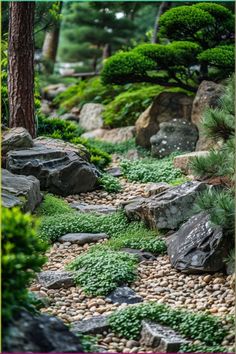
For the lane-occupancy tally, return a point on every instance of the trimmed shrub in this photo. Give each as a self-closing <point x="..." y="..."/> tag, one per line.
<point x="223" y="56"/>
<point x="21" y="259"/>
<point x="109" y="183"/>
<point x="99" y="272"/>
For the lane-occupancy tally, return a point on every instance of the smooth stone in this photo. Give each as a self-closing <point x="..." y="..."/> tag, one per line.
<point x="83" y="238"/>
<point x="56" y="279"/>
<point x="124" y="294"/>
<point x="88" y="208"/>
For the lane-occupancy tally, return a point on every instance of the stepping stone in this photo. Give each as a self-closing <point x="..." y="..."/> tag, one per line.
<point x="82" y="238"/>
<point x="124" y="294"/>
<point x="142" y="255"/>
<point x="115" y="171"/>
<point x="94" y="325"/>
<point x="88" y="208"/>
<point x="56" y="279"/>
<point x="162" y="338"/>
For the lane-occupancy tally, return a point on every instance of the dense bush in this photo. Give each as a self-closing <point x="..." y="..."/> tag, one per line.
<point x="21" y="258"/>
<point x="128" y="322"/>
<point x="52" y="205"/>
<point x="109" y="183"/>
<point x="151" y="170"/>
<point x="99" y="272"/>
<point x="52" y="228"/>
<point x="197" y="38"/>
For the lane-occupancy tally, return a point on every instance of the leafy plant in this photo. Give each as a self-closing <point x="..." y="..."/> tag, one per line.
<point x="52" y="205"/>
<point x="101" y="271"/>
<point x="202" y="348"/>
<point x="151" y="170"/>
<point x="109" y="183"/>
<point x="21" y="258"/>
<point x="206" y="328"/>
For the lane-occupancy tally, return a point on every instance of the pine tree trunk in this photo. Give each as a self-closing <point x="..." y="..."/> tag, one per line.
<point x="106" y="51"/>
<point x="21" y="65"/>
<point x="165" y="5"/>
<point x="50" y="45"/>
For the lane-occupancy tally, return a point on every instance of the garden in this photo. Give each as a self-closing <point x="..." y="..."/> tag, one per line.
<point x="118" y="177"/>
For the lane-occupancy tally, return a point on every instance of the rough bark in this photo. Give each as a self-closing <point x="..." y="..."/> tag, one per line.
<point x="106" y="51"/>
<point x="21" y="65"/>
<point x="50" y="45"/>
<point x="165" y="5"/>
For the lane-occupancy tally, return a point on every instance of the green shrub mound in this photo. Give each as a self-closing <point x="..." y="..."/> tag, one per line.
<point x="109" y="183"/>
<point x="101" y="271"/>
<point x="68" y="131"/>
<point x="21" y="258"/>
<point x="223" y="56"/>
<point x="52" y="205"/>
<point x="206" y="328"/>
<point x="52" y="228"/>
<point x="151" y="170"/>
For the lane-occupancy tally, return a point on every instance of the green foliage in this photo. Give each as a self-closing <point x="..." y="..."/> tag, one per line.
<point x="125" y="109"/>
<point x="88" y="342"/>
<point x="124" y="67"/>
<point x="223" y="56"/>
<point x="52" y="205"/>
<point x="137" y="237"/>
<point x="99" y="272"/>
<point x="206" y="328"/>
<point x="86" y="92"/>
<point x="109" y="183"/>
<point x="221" y="207"/>
<point x="202" y="348"/>
<point x="151" y="170"/>
<point x="21" y="258"/>
<point x="52" y="228"/>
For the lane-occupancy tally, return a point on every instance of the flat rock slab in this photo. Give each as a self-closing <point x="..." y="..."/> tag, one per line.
<point x="155" y="188"/>
<point x="142" y="255"/>
<point x="198" y="246"/>
<point x="115" y="171"/>
<point x="88" y="208"/>
<point x="94" y="325"/>
<point x="168" y="209"/>
<point x="19" y="190"/>
<point x="124" y="294"/>
<point x="56" y="279"/>
<point x="82" y="238"/>
<point x="182" y="161"/>
<point x="162" y="338"/>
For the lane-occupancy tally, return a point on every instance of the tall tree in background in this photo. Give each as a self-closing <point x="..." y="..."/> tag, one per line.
<point x="21" y="65"/>
<point x="165" y="5"/>
<point x="51" y="41"/>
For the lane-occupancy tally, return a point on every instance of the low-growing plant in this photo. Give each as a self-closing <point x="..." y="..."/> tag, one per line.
<point x="52" y="205"/>
<point x="22" y="257"/>
<point x="109" y="183"/>
<point x="206" y="328"/>
<point x="101" y="271"/>
<point x="52" y="228"/>
<point x="202" y="348"/>
<point x="151" y="170"/>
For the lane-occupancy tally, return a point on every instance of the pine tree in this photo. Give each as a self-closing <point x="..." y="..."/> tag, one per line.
<point x="219" y="123"/>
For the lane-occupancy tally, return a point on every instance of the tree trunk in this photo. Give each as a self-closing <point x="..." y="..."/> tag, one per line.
<point x="106" y="51"/>
<point x="21" y="65"/>
<point x="165" y="5"/>
<point x="50" y="45"/>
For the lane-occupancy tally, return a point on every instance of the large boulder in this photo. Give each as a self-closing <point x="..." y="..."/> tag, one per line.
<point x="176" y="135"/>
<point x="168" y="209"/>
<point x="22" y="191"/>
<point x="40" y="334"/>
<point x="51" y="91"/>
<point x="166" y="106"/>
<point x="198" y="246"/>
<point x="116" y="135"/>
<point x="59" y="172"/>
<point x="51" y="143"/>
<point x="16" y="138"/>
<point x="208" y="95"/>
<point x="90" y="117"/>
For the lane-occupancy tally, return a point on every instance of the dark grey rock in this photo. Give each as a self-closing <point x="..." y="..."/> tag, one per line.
<point x="56" y="279"/>
<point x="16" y="138"/>
<point x="124" y="294"/>
<point x="198" y="246"/>
<point x="82" y="238"/>
<point x="94" y="325"/>
<point x="41" y="334"/>
<point x="161" y="338"/>
<point x="59" y="172"/>
<point x="70" y="116"/>
<point x="22" y="191"/>
<point x="142" y="255"/>
<point x="176" y="135"/>
<point x="168" y="209"/>
<point x="88" y="208"/>
<point x="115" y="171"/>
<point x="155" y="188"/>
